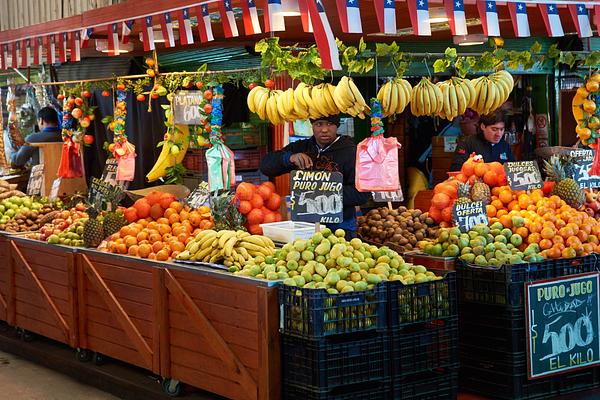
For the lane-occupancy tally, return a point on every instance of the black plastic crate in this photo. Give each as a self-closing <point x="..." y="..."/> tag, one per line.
<point x="333" y="362"/>
<point x="371" y="391"/>
<point x="314" y="313"/>
<point x="494" y="327"/>
<point x="506" y="378"/>
<point x="433" y="385"/>
<point x="504" y="285"/>
<point x="422" y="302"/>
<point x="424" y="347"/>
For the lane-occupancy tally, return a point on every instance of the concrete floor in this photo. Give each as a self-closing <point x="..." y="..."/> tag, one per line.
<point x="24" y="380"/>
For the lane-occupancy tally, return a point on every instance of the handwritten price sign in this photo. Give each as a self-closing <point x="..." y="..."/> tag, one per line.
<point x="584" y="159"/>
<point x="466" y="216"/>
<point x="186" y="107"/>
<point x="562" y="324"/>
<point x="316" y="196"/>
<point x="523" y="175"/>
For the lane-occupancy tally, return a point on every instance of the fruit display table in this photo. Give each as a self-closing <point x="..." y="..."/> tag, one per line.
<point x="203" y="327"/>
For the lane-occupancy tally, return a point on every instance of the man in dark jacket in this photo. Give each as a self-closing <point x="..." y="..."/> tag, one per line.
<point x="49" y="132"/>
<point x="489" y="142"/>
<point x="324" y="151"/>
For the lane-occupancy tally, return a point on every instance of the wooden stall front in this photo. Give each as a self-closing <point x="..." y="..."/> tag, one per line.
<point x="4" y="262"/>
<point x="41" y="291"/>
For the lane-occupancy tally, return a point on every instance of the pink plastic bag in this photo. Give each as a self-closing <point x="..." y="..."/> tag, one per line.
<point x="377" y="164"/>
<point x="125" y="154"/>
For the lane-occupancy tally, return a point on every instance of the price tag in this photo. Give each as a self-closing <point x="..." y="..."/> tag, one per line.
<point x="523" y="175"/>
<point x="103" y="194"/>
<point x="385" y="197"/>
<point x="186" y="107"/>
<point x="316" y="196"/>
<point x="35" y="186"/>
<point x="583" y="163"/>
<point x="563" y="324"/>
<point x="199" y="196"/>
<point x="467" y="215"/>
<point x="54" y="190"/>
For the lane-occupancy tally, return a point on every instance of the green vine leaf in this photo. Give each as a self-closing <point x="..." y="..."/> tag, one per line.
<point x="440" y="66"/>
<point x="536" y="47"/>
<point x="450" y="53"/>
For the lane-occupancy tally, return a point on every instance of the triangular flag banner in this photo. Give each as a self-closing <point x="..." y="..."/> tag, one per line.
<point x="489" y="18"/>
<point x="455" y="11"/>
<point x="75" y="46"/>
<point x="25" y="52"/>
<point x="330" y="56"/>
<point x="15" y="47"/>
<point x="274" y="21"/>
<point x="113" y="39"/>
<point x="518" y="14"/>
<point x="126" y="27"/>
<point x="166" y="26"/>
<point x="228" y="19"/>
<point x="204" y="24"/>
<point x="385" y="11"/>
<point x="581" y="19"/>
<point x="147" y="33"/>
<point x="551" y="19"/>
<point x="38" y="45"/>
<point x="419" y="17"/>
<point x="250" y="17"/>
<point x="86" y="34"/>
<point x="349" y="16"/>
<point x="62" y="47"/>
<point x="186" y="35"/>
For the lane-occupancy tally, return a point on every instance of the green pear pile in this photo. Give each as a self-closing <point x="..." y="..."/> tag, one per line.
<point x="328" y="261"/>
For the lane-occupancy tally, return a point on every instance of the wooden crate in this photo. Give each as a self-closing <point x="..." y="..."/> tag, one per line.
<point x="119" y="307"/>
<point x="41" y="295"/>
<point x="4" y="268"/>
<point x="222" y="333"/>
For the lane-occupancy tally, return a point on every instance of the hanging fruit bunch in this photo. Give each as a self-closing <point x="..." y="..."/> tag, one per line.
<point x="394" y="96"/>
<point x="586" y="110"/>
<point x="85" y="115"/>
<point x="122" y="150"/>
<point x="70" y="161"/>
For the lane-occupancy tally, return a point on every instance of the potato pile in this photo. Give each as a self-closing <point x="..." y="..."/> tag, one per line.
<point x="29" y="221"/>
<point x="403" y="227"/>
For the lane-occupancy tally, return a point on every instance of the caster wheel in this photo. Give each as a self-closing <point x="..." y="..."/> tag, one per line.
<point x="84" y="355"/>
<point x="172" y="387"/>
<point x="99" y="359"/>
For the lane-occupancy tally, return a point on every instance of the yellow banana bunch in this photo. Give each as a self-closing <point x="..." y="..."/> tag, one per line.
<point x="233" y="248"/>
<point x="394" y="96"/>
<point x="456" y="95"/>
<point x="170" y="155"/>
<point x="426" y="99"/>
<point x="349" y="100"/>
<point x="323" y="104"/>
<point x="492" y="91"/>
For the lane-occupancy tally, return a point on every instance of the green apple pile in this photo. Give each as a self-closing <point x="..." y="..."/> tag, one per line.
<point x="327" y="261"/>
<point x="484" y="245"/>
<point x="14" y="205"/>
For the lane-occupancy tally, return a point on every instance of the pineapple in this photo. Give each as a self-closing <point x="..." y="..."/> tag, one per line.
<point x="560" y="169"/>
<point x="481" y="192"/>
<point x="93" y="231"/>
<point x="464" y="193"/>
<point x="113" y="221"/>
<point x="225" y="213"/>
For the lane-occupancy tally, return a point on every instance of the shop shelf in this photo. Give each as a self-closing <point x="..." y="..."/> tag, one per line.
<point x="333" y="362"/>
<point x="249" y="159"/>
<point x="370" y="391"/>
<point x="314" y="313"/>
<point x="506" y="378"/>
<point x="195" y="161"/>
<point x="434" y="385"/>
<point x="422" y="302"/>
<point x="424" y="347"/>
<point x="504" y="285"/>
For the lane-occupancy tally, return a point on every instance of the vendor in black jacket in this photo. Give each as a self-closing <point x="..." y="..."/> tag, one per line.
<point x="324" y="151"/>
<point x="489" y="142"/>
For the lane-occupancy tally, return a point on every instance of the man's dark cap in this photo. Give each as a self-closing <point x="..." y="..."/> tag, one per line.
<point x="334" y="119"/>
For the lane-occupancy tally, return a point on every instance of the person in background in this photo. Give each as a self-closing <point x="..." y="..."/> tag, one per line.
<point x="488" y="142"/>
<point x="324" y="151"/>
<point x="47" y="120"/>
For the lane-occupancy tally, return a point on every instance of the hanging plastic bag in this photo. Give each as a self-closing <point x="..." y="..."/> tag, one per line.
<point x="377" y="158"/>
<point x="220" y="160"/>
<point x="123" y="150"/>
<point x="595" y="169"/>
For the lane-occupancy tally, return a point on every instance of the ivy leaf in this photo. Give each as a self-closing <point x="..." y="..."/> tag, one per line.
<point x="381" y="49"/>
<point x="566" y="57"/>
<point x="553" y="51"/>
<point x="450" y="53"/>
<point x="500" y="54"/>
<point x="439" y="66"/>
<point x="593" y="59"/>
<point x="536" y="47"/>
<point x="362" y="46"/>
<point x="462" y="66"/>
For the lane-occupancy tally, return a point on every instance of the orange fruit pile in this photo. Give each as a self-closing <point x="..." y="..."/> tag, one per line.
<point x="259" y="204"/>
<point x="491" y="173"/>
<point x="558" y="229"/>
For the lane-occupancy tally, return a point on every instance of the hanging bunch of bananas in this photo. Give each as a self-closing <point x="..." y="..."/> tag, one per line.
<point x="426" y="99"/>
<point x="233" y="248"/>
<point x="394" y="96"/>
<point x="492" y="91"/>
<point x="263" y="102"/>
<point x="458" y="94"/>
<point x="349" y="100"/>
<point x="320" y="100"/>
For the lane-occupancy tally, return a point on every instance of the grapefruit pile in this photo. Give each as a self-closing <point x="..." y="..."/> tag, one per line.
<point x="259" y="204"/>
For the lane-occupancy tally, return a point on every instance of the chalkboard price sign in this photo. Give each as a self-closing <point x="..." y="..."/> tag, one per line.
<point x="316" y="196"/>
<point x="36" y="181"/>
<point x="583" y="162"/>
<point x="186" y="107"/>
<point x="384" y="197"/>
<point x="563" y="324"/>
<point x="523" y="175"/>
<point x="467" y="215"/>
<point x="103" y="194"/>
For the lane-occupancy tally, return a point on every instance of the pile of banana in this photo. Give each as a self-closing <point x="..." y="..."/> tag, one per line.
<point x="230" y="247"/>
<point x="394" y="96"/>
<point x="492" y="91"/>
<point x="458" y="94"/>
<point x="348" y="99"/>
<point x="426" y="99"/>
